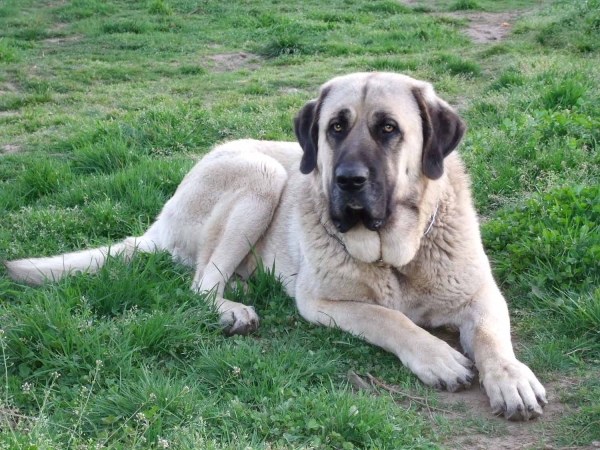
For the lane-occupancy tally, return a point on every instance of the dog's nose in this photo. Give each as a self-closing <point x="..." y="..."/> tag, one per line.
<point x="351" y="177"/>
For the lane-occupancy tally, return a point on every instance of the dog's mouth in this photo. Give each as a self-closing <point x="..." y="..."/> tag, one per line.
<point x="367" y="206"/>
<point x="353" y="214"/>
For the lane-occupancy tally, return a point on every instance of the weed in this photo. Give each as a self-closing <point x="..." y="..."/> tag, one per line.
<point x="192" y="70"/>
<point x="8" y="53"/>
<point x="106" y="156"/>
<point x="546" y="251"/>
<point x="576" y="29"/>
<point x="43" y="177"/>
<point x="391" y="64"/>
<point x="464" y="5"/>
<point x="456" y="65"/>
<point x="385" y="6"/>
<point x="565" y="94"/>
<point x="83" y="9"/>
<point x="421" y="9"/>
<point x="508" y="78"/>
<point x="288" y="42"/>
<point x="159" y="7"/>
<point x="125" y="26"/>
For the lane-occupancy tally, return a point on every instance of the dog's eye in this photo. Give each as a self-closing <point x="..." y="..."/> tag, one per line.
<point x="336" y="127"/>
<point x="388" y="128"/>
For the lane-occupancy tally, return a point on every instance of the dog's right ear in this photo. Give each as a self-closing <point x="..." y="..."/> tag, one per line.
<point x="306" y="128"/>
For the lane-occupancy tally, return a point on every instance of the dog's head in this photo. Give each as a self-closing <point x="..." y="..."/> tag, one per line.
<point x="375" y="140"/>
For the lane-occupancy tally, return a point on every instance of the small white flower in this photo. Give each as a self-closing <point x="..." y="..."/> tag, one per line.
<point x="26" y="388"/>
<point x="162" y="443"/>
<point x="236" y="371"/>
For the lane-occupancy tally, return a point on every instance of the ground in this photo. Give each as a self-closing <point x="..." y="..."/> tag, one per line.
<point x="105" y="105"/>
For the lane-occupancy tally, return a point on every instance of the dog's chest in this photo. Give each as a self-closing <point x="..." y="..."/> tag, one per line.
<point x="355" y="281"/>
<point x="386" y="286"/>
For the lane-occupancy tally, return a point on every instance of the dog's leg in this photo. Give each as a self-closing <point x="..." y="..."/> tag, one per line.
<point x="511" y="386"/>
<point x="246" y="223"/>
<point x="242" y="223"/>
<point x="431" y="359"/>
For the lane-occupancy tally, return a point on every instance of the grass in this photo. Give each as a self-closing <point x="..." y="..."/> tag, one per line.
<point x="110" y="103"/>
<point x="464" y="5"/>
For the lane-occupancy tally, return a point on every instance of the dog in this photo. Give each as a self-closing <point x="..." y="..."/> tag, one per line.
<point x="369" y="223"/>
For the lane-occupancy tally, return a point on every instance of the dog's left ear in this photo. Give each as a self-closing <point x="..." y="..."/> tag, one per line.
<point x="442" y="131"/>
<point x="307" y="133"/>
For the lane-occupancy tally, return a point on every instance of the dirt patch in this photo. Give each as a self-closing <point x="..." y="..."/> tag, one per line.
<point x="500" y="434"/>
<point x="9" y="113"/>
<point x="62" y="40"/>
<point x="289" y="90"/>
<point x="225" y="62"/>
<point x="485" y="27"/>
<point x="57" y="4"/>
<point x="59" y="26"/>
<point x="482" y="27"/>
<point x="9" y="87"/>
<point x="482" y="430"/>
<point x="10" y="148"/>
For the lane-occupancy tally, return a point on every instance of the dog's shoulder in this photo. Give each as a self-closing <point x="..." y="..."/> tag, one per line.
<point x="451" y="257"/>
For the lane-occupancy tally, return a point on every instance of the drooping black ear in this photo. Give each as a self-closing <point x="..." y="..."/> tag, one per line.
<point x="307" y="133"/>
<point x="442" y="131"/>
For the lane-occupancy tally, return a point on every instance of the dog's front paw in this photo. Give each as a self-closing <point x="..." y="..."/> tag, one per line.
<point x="513" y="389"/>
<point x="439" y="365"/>
<point x="240" y="319"/>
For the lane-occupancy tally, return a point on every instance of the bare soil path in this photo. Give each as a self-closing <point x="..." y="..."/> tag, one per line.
<point x="482" y="27"/>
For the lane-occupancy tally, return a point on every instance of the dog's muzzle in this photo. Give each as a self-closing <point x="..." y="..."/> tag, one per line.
<point x="357" y="196"/>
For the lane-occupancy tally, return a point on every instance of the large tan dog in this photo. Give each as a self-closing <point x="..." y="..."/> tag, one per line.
<point x="370" y="224"/>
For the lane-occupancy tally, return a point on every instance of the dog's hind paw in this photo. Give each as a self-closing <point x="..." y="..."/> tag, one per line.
<point x="240" y="319"/>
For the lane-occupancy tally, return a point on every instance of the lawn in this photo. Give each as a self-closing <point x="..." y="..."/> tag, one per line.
<point x="105" y="105"/>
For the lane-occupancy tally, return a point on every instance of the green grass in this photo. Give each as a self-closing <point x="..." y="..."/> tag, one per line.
<point x="464" y="5"/>
<point x="110" y="118"/>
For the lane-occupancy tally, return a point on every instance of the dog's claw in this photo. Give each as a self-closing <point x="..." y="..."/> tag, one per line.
<point x="240" y="328"/>
<point x="241" y="320"/>
<point x="514" y="391"/>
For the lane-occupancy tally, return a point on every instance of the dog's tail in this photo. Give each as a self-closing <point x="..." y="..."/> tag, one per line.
<point x="36" y="270"/>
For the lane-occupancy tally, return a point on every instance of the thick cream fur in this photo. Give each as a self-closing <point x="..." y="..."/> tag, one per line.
<point x="384" y="286"/>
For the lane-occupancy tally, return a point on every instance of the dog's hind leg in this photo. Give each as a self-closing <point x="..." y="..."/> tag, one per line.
<point x="246" y="223"/>
<point x="228" y="239"/>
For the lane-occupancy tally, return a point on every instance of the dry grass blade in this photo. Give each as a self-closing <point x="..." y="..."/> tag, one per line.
<point x="357" y="382"/>
<point x="420" y="400"/>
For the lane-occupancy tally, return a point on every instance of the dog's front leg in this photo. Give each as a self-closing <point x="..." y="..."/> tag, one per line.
<point x="511" y="386"/>
<point x="431" y="359"/>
